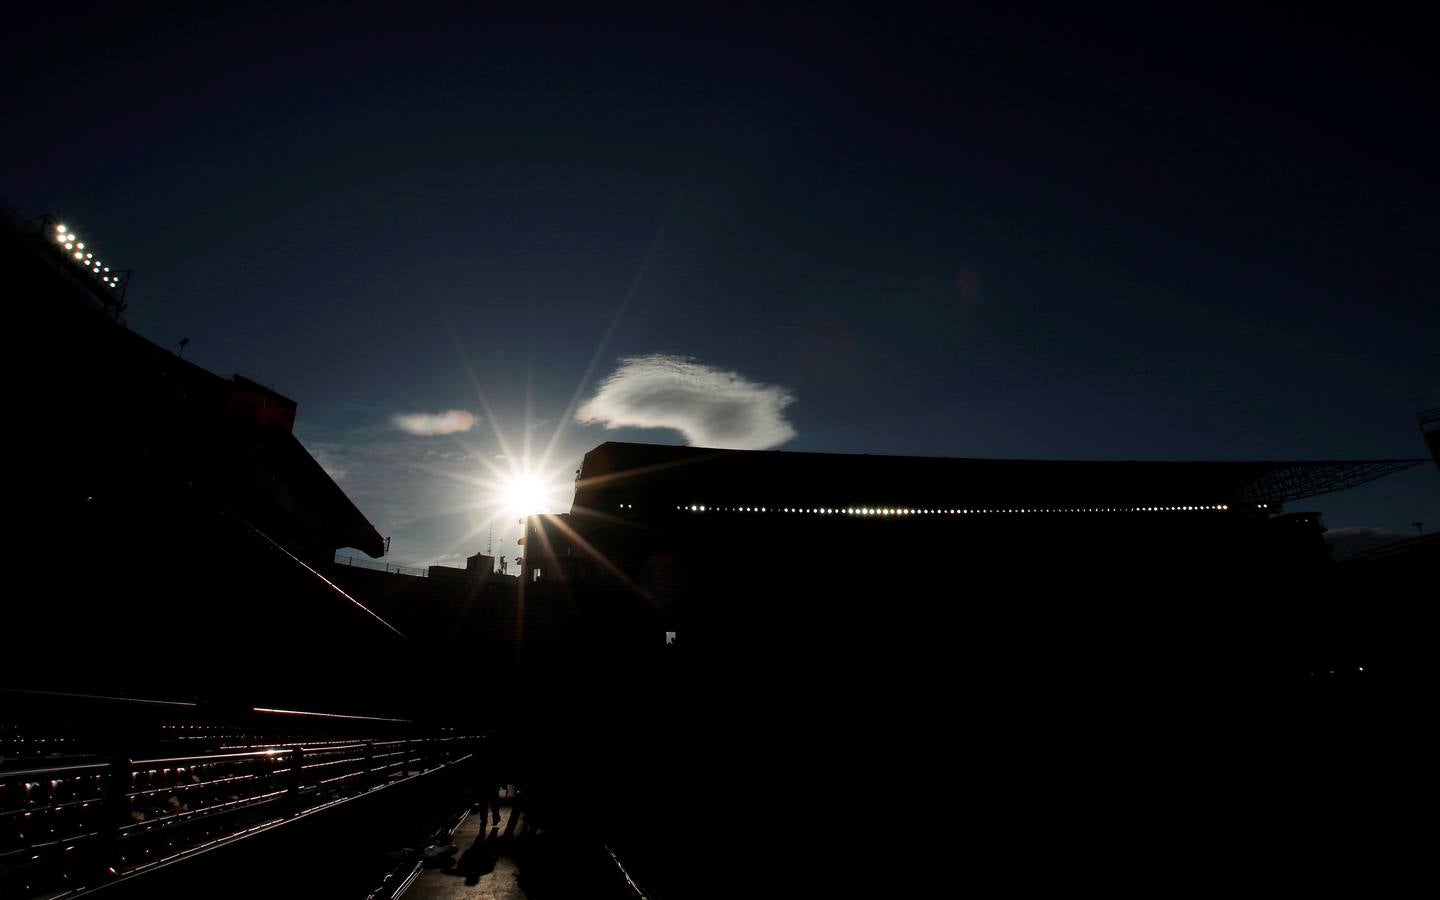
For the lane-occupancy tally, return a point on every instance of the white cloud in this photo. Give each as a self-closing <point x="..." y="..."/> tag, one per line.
<point x="448" y="422"/>
<point x="331" y="459"/>
<point x="710" y="407"/>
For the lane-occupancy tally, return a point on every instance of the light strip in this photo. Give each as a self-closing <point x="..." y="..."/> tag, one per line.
<point x="900" y="511"/>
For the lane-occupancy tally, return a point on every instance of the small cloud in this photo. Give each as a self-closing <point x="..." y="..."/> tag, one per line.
<point x="448" y="456"/>
<point x="710" y="407"/>
<point x="1347" y="541"/>
<point x="330" y="460"/>
<point x="448" y="422"/>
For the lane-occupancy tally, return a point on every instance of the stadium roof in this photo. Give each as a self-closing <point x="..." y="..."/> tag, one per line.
<point x="653" y="473"/>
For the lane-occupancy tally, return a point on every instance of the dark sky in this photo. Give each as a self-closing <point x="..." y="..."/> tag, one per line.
<point x="1198" y="237"/>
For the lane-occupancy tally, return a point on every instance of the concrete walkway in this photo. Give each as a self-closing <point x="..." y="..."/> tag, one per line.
<point x="482" y="868"/>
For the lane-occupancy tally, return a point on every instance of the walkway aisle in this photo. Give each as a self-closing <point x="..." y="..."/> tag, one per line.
<point x="473" y="877"/>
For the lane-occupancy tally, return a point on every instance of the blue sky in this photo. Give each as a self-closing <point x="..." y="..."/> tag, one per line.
<point x="938" y="234"/>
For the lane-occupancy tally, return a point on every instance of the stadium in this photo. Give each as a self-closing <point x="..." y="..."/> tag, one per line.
<point x="195" y="692"/>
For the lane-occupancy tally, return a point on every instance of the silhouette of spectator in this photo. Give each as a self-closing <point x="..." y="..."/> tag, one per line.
<point x="489" y="798"/>
<point x="518" y="798"/>
<point x="487" y="786"/>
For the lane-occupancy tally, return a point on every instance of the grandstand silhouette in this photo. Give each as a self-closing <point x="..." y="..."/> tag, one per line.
<point x="189" y="684"/>
<point x="195" y="695"/>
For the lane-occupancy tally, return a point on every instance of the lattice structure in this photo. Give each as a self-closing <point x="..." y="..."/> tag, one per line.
<point x="1298" y="480"/>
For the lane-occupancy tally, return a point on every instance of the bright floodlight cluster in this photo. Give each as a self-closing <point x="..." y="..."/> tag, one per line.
<point x="76" y="248"/>
<point x="911" y="511"/>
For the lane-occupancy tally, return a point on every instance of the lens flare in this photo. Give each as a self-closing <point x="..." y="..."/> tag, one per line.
<point x="527" y="495"/>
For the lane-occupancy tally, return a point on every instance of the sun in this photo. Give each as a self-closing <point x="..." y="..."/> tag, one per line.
<point x="524" y="494"/>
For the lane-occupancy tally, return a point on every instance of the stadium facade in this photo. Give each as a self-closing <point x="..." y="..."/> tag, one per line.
<point x="733" y="545"/>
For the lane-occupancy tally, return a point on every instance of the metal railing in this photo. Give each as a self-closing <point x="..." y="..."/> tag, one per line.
<point x="72" y="827"/>
<point x="631" y="885"/>
<point x="380" y="567"/>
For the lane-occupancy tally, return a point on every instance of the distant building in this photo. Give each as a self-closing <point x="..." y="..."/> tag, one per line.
<point x="477" y="567"/>
<point x="480" y="564"/>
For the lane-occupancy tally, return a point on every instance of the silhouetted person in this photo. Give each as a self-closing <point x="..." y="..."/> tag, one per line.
<point x="517" y="805"/>
<point x="487" y="788"/>
<point x="489" y="799"/>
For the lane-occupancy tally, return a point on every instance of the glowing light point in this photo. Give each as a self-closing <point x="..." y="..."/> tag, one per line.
<point x="525" y="495"/>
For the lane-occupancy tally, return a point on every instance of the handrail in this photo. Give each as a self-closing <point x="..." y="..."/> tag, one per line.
<point x="625" y="873"/>
<point x="327" y="715"/>
<point x="25" y="773"/>
<point x="302" y="564"/>
<point x="211" y="757"/>
<point x="76" y="696"/>
<point x="325" y="748"/>
<point x="100" y="817"/>
<point x="391" y="568"/>
<point x="279" y="751"/>
<point x="226" y="806"/>
<point x="274" y="823"/>
<point x="170" y="789"/>
<point x="318" y="747"/>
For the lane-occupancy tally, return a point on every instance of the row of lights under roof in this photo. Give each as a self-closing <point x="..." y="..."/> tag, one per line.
<point x="76" y="248"/>
<point x="909" y="511"/>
